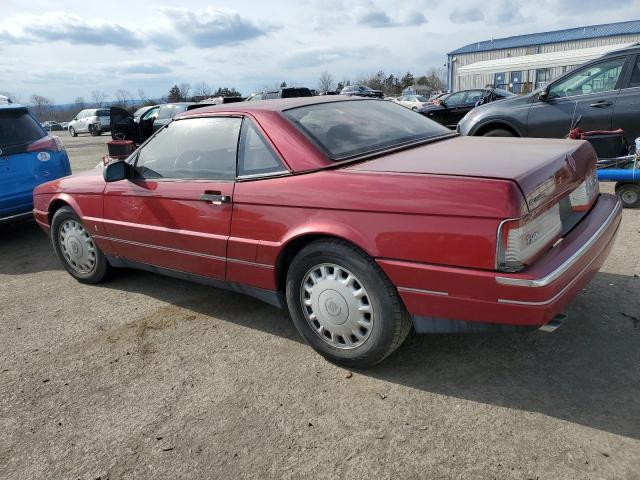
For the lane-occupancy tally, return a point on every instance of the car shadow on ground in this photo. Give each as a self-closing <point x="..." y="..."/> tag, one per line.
<point x="587" y="372"/>
<point x="24" y="249"/>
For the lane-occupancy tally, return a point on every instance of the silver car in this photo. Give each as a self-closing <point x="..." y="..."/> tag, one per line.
<point x="93" y="121"/>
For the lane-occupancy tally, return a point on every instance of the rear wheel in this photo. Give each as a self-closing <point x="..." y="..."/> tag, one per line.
<point x="73" y="132"/>
<point x="499" y="132"/>
<point x="344" y="305"/>
<point x="75" y="248"/>
<point x="93" y="131"/>
<point x="629" y="193"/>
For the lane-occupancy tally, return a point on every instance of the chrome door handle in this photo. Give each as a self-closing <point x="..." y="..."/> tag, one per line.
<point x="601" y="104"/>
<point x="214" y="198"/>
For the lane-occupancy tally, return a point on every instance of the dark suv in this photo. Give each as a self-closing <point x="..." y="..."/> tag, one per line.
<point x="604" y="92"/>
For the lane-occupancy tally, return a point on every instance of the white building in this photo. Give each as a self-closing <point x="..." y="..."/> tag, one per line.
<point x="523" y="63"/>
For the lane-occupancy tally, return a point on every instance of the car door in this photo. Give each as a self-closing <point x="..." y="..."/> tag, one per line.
<point x="122" y="125"/>
<point x="471" y="99"/>
<point x="449" y="114"/>
<point x="175" y="212"/>
<point x="589" y="92"/>
<point x="627" y="109"/>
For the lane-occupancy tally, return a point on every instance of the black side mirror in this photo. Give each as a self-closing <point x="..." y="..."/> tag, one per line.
<point x="114" y="172"/>
<point x="543" y="96"/>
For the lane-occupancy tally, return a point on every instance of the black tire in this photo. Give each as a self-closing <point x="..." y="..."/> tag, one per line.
<point x="391" y="322"/>
<point x="100" y="267"/>
<point x="93" y="131"/>
<point x="629" y="193"/>
<point x="73" y="132"/>
<point x="499" y="132"/>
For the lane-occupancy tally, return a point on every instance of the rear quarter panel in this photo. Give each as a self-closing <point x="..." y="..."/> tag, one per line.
<point x="430" y="219"/>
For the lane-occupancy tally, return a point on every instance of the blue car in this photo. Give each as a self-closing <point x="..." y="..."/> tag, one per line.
<point x="28" y="157"/>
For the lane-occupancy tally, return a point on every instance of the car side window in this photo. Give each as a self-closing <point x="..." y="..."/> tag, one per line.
<point x="256" y="156"/>
<point x="635" y="74"/>
<point x="473" y="96"/>
<point x="192" y="149"/>
<point x="602" y="77"/>
<point x="455" y="100"/>
<point x="166" y="111"/>
<point x="151" y="114"/>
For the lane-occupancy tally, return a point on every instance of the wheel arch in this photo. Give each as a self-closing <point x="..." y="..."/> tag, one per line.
<point x="62" y="201"/>
<point x="494" y="124"/>
<point x="294" y="244"/>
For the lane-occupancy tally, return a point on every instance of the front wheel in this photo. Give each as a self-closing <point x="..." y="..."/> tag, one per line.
<point x="344" y="305"/>
<point x="73" y="132"/>
<point x="75" y="248"/>
<point x="629" y="193"/>
<point x="498" y="132"/>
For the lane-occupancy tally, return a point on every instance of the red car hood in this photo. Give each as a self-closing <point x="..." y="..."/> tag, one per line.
<point x="542" y="168"/>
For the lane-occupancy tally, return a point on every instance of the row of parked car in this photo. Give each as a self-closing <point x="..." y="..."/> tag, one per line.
<point x="601" y="95"/>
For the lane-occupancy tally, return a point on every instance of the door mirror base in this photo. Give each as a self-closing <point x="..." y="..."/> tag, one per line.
<point x="114" y="172"/>
<point x="543" y="96"/>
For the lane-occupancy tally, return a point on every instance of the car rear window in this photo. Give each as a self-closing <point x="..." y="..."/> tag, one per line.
<point x="357" y="127"/>
<point x="102" y="113"/>
<point x="17" y="127"/>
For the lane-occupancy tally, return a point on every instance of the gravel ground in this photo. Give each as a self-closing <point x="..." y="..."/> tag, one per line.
<point x="151" y="377"/>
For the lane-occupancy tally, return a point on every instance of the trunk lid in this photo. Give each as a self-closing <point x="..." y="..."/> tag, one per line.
<point x="122" y="125"/>
<point x="542" y="168"/>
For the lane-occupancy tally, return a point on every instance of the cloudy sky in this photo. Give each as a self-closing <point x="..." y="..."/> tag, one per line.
<point x="64" y="49"/>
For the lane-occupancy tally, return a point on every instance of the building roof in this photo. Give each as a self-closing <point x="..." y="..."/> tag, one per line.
<point x="580" y="33"/>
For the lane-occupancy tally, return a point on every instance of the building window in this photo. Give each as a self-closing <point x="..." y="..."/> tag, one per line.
<point x="516" y="82"/>
<point x="543" y="76"/>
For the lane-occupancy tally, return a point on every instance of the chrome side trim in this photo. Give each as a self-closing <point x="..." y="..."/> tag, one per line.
<point x="568" y="263"/>
<point x="427" y="292"/>
<point x="184" y="252"/>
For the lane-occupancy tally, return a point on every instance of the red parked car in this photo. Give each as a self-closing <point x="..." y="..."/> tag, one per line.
<point x="362" y="217"/>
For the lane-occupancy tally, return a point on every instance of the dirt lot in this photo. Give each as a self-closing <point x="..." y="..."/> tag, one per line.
<point x="150" y="377"/>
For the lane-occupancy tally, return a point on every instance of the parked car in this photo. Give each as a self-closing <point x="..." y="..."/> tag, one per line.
<point x="288" y="92"/>
<point x="450" y="109"/>
<point x="217" y="101"/>
<point x="605" y="93"/>
<point x="413" y="102"/>
<point x="361" y="91"/>
<point x="361" y="217"/>
<point x="65" y="126"/>
<point x="28" y="157"/>
<point x="94" y="121"/>
<point x="144" y="122"/>
<point x="52" y="127"/>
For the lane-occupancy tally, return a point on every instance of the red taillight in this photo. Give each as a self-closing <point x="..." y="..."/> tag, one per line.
<point x="47" y="144"/>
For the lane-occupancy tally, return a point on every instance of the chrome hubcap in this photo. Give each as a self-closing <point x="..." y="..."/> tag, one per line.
<point x="337" y="306"/>
<point x="77" y="246"/>
<point x="629" y="196"/>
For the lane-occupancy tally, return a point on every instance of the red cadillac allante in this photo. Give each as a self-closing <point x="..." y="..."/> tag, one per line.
<point x="362" y="217"/>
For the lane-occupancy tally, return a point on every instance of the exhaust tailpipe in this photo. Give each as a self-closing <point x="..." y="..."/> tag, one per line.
<point x="554" y="324"/>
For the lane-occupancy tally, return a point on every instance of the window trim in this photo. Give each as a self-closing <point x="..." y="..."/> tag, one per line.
<point x="274" y="151"/>
<point x="136" y="155"/>
<point x="619" y="83"/>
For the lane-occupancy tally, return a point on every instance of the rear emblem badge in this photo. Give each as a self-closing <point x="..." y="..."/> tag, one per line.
<point x="572" y="162"/>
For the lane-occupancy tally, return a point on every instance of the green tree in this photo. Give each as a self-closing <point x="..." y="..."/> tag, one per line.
<point x="174" y="94"/>
<point x="407" y="80"/>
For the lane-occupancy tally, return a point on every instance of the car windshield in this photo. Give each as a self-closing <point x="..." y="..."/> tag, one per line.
<point x="349" y="128"/>
<point x="503" y="93"/>
<point x="102" y="113"/>
<point x="420" y="98"/>
<point x="140" y="111"/>
<point x="17" y="127"/>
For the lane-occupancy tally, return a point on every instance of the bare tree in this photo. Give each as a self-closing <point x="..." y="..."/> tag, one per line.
<point x="143" y="98"/>
<point x="202" y="89"/>
<point x="42" y="107"/>
<point x="184" y="89"/>
<point x="98" y="97"/>
<point x="326" y="82"/>
<point x="79" y="103"/>
<point x="123" y="97"/>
